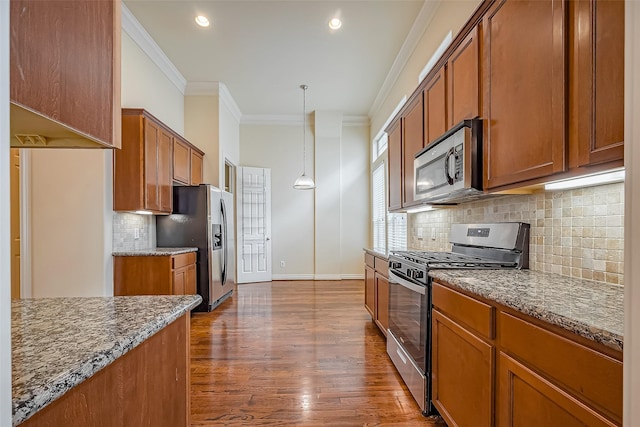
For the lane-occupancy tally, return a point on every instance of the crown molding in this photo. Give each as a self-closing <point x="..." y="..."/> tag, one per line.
<point x="295" y="120"/>
<point x="215" y="89"/>
<point x="418" y="28"/>
<point x="202" y="88"/>
<point x="355" y="121"/>
<point x="228" y="100"/>
<point x="141" y="37"/>
<point x="271" y="119"/>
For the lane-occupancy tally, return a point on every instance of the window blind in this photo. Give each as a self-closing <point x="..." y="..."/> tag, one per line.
<point x="397" y="231"/>
<point x="379" y="208"/>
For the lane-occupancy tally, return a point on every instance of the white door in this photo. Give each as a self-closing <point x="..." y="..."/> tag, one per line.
<point x="254" y="224"/>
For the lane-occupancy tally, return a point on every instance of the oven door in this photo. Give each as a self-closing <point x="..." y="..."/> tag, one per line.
<point x="409" y="311"/>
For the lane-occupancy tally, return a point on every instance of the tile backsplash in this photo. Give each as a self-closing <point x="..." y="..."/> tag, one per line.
<point x="124" y="232"/>
<point x="577" y="233"/>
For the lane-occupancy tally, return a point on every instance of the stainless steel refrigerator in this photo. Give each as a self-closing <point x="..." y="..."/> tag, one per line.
<point x="203" y="217"/>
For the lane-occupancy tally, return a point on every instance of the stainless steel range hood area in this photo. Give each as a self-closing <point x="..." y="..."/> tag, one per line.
<point x="30" y="129"/>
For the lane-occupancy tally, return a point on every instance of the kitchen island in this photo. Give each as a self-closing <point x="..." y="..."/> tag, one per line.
<point x="101" y="361"/>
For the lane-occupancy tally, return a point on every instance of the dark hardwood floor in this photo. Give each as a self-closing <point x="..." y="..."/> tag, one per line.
<point x="296" y="353"/>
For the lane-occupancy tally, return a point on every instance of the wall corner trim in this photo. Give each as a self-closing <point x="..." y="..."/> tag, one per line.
<point x="144" y="40"/>
<point x="418" y="28"/>
<point x="213" y="89"/>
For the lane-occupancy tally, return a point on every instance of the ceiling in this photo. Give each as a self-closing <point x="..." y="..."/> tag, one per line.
<point x="263" y="50"/>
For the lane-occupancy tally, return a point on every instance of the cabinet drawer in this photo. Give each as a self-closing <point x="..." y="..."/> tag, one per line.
<point x="182" y="260"/>
<point x="475" y="314"/>
<point x="584" y="371"/>
<point x="369" y="260"/>
<point x="382" y="266"/>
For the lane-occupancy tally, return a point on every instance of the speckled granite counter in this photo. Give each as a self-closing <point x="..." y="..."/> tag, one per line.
<point x="156" y="252"/>
<point x="376" y="253"/>
<point x="591" y="309"/>
<point x="56" y="343"/>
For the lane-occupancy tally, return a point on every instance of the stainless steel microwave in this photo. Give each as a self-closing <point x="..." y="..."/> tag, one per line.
<point x="449" y="170"/>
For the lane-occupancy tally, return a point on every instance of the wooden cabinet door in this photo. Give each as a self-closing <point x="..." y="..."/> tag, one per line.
<point x="65" y="63"/>
<point x="369" y="290"/>
<point x="462" y="374"/>
<point x="597" y="82"/>
<point x="196" y="168"/>
<point x="412" y="143"/>
<point x="526" y="399"/>
<point x="463" y="77"/>
<point x="181" y="161"/>
<point x="190" y="283"/>
<point x="165" y="170"/>
<point x="435" y="107"/>
<point x="395" y="181"/>
<point x="151" y="186"/>
<point x="382" y="302"/>
<point x="179" y="281"/>
<point x="524" y="90"/>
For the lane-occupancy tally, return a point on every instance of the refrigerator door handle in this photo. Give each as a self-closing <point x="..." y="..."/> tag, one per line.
<point x="225" y="247"/>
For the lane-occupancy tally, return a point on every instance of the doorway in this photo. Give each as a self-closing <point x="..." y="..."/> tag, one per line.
<point x="254" y="224"/>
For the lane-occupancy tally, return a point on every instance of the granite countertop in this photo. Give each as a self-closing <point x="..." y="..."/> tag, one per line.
<point x="56" y="343"/>
<point x="156" y="252"/>
<point x="594" y="310"/>
<point x="377" y="253"/>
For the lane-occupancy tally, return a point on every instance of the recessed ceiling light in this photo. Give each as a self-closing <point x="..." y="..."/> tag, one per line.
<point x="202" y="21"/>
<point x="335" y="23"/>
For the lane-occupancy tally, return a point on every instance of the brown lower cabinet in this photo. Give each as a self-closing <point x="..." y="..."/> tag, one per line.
<point x="494" y="366"/>
<point x="148" y="386"/>
<point x="376" y="289"/>
<point x="155" y="275"/>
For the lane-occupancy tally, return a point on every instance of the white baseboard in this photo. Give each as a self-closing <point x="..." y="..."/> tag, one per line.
<point x="317" y="276"/>
<point x="327" y="277"/>
<point x="292" y="277"/>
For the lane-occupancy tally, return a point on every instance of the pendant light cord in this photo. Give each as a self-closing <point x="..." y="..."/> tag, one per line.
<point x="304" y="128"/>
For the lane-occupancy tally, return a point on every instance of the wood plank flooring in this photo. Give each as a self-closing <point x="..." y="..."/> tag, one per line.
<point x="295" y="353"/>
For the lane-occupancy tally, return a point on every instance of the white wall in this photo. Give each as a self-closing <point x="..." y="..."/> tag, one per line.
<point x="631" y="416"/>
<point x="279" y="147"/>
<point x="201" y="123"/>
<point x="68" y="216"/>
<point x="144" y="85"/>
<point x="5" y="253"/>
<point x="294" y="212"/>
<point x="212" y="123"/>
<point x="355" y="197"/>
<point x="450" y="16"/>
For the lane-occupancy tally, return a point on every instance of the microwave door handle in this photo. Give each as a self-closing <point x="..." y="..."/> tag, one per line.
<point x="449" y="154"/>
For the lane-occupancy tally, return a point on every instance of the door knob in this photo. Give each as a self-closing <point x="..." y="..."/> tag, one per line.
<point x="268" y="238"/>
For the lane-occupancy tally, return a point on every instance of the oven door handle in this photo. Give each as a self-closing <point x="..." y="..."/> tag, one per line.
<point x="422" y="290"/>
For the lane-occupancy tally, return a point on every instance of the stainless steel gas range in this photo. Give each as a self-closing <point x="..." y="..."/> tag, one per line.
<point x="475" y="246"/>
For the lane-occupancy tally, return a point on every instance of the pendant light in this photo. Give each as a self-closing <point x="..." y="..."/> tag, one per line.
<point x="304" y="182"/>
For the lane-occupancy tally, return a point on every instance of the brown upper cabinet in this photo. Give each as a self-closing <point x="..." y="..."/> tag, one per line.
<point x="196" y="167"/>
<point x="394" y="150"/>
<point x="463" y="79"/>
<point x="435" y="107"/>
<point x="524" y="91"/>
<point x="412" y="143"/>
<point x="596" y="82"/>
<point x="143" y="166"/>
<point x="65" y="72"/>
<point x="187" y="162"/>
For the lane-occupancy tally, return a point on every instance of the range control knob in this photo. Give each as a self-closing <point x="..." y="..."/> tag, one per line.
<point x="418" y="274"/>
<point x="394" y="264"/>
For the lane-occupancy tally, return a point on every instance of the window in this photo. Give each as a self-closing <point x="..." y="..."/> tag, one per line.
<point x="397" y="232"/>
<point x="380" y="145"/>
<point x="379" y="208"/>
